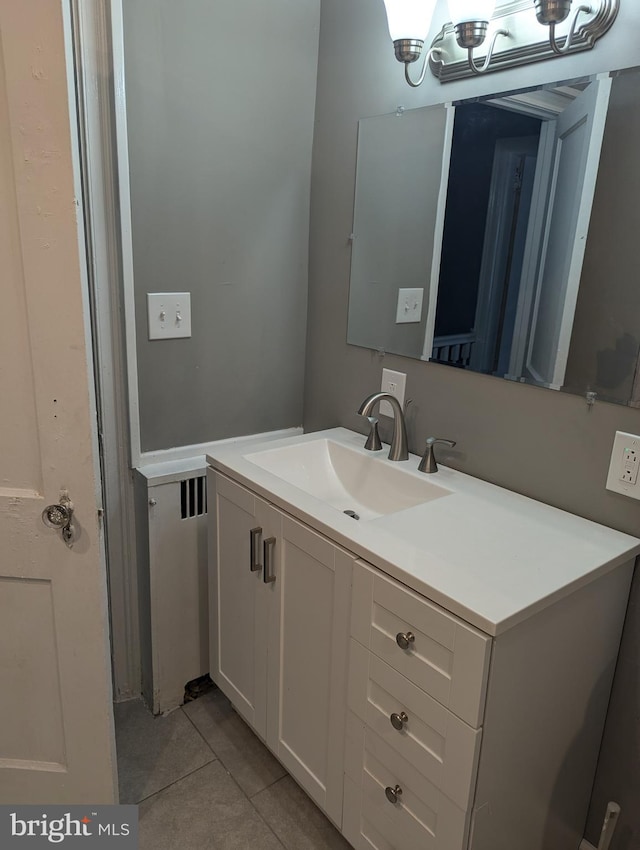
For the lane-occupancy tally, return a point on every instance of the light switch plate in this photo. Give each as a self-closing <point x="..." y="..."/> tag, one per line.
<point x="394" y="383"/>
<point x="409" y="306"/>
<point x="625" y="461"/>
<point x="169" y="314"/>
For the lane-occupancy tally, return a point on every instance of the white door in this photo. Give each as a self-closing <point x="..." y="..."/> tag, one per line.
<point x="512" y="179"/>
<point x="436" y="259"/>
<point x="56" y="722"/>
<point x="238" y="601"/>
<point x="308" y="645"/>
<point x="580" y="129"/>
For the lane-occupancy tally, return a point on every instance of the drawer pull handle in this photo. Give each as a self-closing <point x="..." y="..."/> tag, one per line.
<point x="268" y="575"/>
<point x="393" y="793"/>
<point x="254" y="542"/>
<point x="405" y="639"/>
<point x="398" y="720"/>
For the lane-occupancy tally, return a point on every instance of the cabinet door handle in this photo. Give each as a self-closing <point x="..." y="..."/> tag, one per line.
<point x="269" y="575"/>
<point x="254" y="541"/>
<point x="405" y="639"/>
<point x="393" y="793"/>
<point x="398" y="720"/>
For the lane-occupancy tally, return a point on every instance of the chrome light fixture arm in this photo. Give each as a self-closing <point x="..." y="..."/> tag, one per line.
<point x="485" y="65"/>
<point x="435" y="54"/>
<point x="569" y="39"/>
<point x="408" y="51"/>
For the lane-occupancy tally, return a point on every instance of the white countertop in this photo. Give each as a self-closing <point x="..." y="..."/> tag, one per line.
<point x="488" y="555"/>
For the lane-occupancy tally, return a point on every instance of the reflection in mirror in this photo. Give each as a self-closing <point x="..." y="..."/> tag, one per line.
<point x="397" y="191"/>
<point x="532" y="181"/>
<point x="511" y="284"/>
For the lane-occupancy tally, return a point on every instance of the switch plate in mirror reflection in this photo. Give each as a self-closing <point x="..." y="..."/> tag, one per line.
<point x="524" y="248"/>
<point x="409" y="306"/>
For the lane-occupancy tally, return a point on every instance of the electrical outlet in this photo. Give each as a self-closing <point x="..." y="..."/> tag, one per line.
<point x="394" y="383"/>
<point x="629" y="471"/>
<point x="409" y="307"/>
<point x="624" y="466"/>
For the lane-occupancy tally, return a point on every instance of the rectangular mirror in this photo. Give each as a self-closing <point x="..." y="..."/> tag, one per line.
<point x="498" y="235"/>
<point x="398" y="194"/>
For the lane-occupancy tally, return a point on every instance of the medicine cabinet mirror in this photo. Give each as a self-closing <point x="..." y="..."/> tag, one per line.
<point x="500" y="235"/>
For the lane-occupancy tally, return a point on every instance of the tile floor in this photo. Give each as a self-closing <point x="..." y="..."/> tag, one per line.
<point x="204" y="780"/>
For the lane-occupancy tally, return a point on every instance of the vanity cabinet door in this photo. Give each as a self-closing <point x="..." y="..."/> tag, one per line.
<point x="237" y="597"/>
<point x="280" y="634"/>
<point x="308" y="648"/>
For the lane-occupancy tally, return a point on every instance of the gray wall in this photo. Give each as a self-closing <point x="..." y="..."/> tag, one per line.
<point x="220" y="103"/>
<point x="538" y="442"/>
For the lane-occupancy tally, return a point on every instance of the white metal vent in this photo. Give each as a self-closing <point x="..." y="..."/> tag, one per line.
<point x="193" y="497"/>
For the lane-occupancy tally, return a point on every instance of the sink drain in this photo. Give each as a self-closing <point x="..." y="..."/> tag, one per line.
<point x="352" y="514"/>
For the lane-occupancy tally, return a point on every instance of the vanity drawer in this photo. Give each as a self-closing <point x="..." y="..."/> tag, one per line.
<point x="434" y="741"/>
<point x="445" y="657"/>
<point x="423" y="818"/>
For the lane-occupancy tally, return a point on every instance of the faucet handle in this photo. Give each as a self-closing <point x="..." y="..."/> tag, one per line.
<point x="428" y="462"/>
<point x="373" y="443"/>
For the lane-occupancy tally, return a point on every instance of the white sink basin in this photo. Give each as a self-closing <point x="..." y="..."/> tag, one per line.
<point x="348" y="479"/>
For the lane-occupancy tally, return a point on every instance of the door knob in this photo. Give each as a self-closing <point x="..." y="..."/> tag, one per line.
<point x="398" y="720"/>
<point x="60" y="517"/>
<point x="57" y="516"/>
<point x="393" y="793"/>
<point x="405" y="639"/>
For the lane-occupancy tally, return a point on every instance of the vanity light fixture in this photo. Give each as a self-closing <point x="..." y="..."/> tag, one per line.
<point x="552" y="12"/>
<point x="409" y="22"/>
<point x="471" y="24"/>
<point x="514" y="27"/>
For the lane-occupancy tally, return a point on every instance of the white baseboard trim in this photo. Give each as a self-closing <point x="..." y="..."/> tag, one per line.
<point x="585" y="845"/>
<point x="200" y="450"/>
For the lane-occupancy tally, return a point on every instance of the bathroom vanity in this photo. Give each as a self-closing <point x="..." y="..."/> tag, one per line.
<point x="429" y="656"/>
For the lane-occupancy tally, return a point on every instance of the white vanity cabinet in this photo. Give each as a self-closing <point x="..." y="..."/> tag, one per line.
<point x="278" y="646"/>
<point x="436" y="678"/>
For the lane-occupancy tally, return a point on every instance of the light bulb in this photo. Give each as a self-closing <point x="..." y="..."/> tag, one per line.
<point x="409" y="19"/>
<point x="462" y="11"/>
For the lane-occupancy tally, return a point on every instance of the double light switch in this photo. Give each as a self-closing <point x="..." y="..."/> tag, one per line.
<point x="169" y="314"/>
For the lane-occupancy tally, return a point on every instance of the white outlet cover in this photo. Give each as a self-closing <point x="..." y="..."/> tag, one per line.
<point x="409" y="307"/>
<point x="394" y="383"/>
<point x="169" y="315"/>
<point x="621" y="442"/>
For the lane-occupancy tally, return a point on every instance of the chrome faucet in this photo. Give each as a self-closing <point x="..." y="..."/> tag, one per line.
<point x="373" y="443"/>
<point x="398" y="450"/>
<point x="428" y="462"/>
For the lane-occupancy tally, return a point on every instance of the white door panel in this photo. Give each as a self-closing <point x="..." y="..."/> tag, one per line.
<point x="430" y="325"/>
<point x="56" y="726"/>
<point x="238" y="635"/>
<point x="308" y="640"/>
<point x="580" y="129"/>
